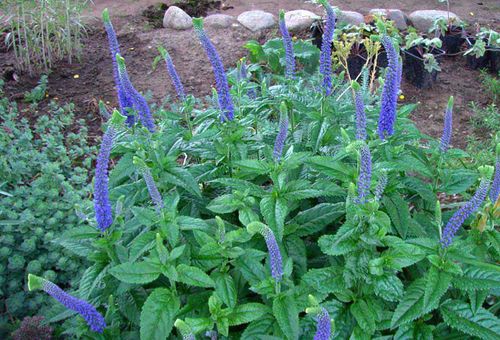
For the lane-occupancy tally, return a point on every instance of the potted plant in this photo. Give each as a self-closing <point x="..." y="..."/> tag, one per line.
<point x="484" y="50"/>
<point x="421" y="60"/>
<point x="452" y="35"/>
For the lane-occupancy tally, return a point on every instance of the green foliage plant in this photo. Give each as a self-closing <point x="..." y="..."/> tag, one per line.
<point x="222" y="238"/>
<point x="44" y="174"/>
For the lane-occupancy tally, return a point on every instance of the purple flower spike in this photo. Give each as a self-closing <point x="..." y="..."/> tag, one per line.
<point x="153" y="190"/>
<point x="389" y="100"/>
<point x="172" y="72"/>
<point x="224" y="96"/>
<point x="463" y="213"/>
<point x="287" y="43"/>
<point x="325" y="61"/>
<point x="382" y="183"/>
<point x="279" y="144"/>
<point x="448" y="125"/>
<point x="102" y="205"/>
<point x="139" y="104"/>
<point x="324" y="326"/>
<point x="360" y="117"/>
<point x="93" y="318"/>
<point x="124" y="101"/>
<point x="365" y="174"/>
<point x="274" y="253"/>
<point x="495" y="187"/>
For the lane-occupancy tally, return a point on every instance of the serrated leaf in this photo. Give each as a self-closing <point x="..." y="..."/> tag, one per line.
<point x="364" y="316"/>
<point x="258" y="329"/>
<point x="136" y="273"/>
<point x="459" y="315"/>
<point x="478" y="277"/>
<point x="457" y="181"/>
<point x="285" y="312"/>
<point x="140" y="245"/>
<point x="246" y="313"/>
<point x="411" y="305"/>
<point x="476" y="298"/>
<point x="325" y="280"/>
<point x="389" y="287"/>
<point x="397" y="208"/>
<point x="194" y="276"/>
<point x="158" y="314"/>
<point x="437" y="283"/>
<point x="274" y="211"/>
<point x="225" y="288"/>
<point x="339" y="244"/>
<point x="313" y="220"/>
<point x="224" y="204"/>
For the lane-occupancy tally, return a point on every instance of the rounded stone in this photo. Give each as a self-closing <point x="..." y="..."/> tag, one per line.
<point x="177" y="19"/>
<point x="400" y="19"/>
<point x="300" y="19"/>
<point x="423" y="20"/>
<point x="350" y="17"/>
<point x="256" y="20"/>
<point x="219" y="20"/>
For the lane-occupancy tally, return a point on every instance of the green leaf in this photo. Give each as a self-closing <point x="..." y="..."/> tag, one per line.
<point x="389" y="287"/>
<point x="194" y="276"/>
<point x="477" y="298"/>
<point x="436" y="286"/>
<point x="182" y="178"/>
<point x="411" y="305"/>
<point x="285" y="312"/>
<point x="325" y="280"/>
<point x="274" y="211"/>
<point x="252" y="166"/>
<point x="420" y="187"/>
<point x="225" y="288"/>
<point x="140" y="245"/>
<point x="479" y="276"/>
<point x="258" y="329"/>
<point x="313" y="220"/>
<point x="247" y="313"/>
<point x="341" y="243"/>
<point x="482" y="324"/>
<point x="158" y="314"/>
<point x="224" y="204"/>
<point x="397" y="208"/>
<point x="364" y="316"/>
<point x="332" y="167"/>
<point x="457" y="181"/>
<point x="136" y="273"/>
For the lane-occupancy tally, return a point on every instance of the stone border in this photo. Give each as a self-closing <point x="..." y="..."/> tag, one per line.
<point x="300" y="19"/>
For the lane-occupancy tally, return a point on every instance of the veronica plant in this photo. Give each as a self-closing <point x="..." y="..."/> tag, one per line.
<point x="124" y="101"/>
<point x="448" y="126"/>
<point x="379" y="268"/>
<point x="325" y="67"/>
<point x="172" y="72"/>
<point x="224" y="95"/>
<point x="288" y="45"/>
<point x="94" y="319"/>
<point x="139" y="103"/>
<point x="389" y="100"/>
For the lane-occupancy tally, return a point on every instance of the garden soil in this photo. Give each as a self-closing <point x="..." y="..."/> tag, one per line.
<point x="90" y="80"/>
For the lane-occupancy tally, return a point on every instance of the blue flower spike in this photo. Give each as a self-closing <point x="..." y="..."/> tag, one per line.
<point x="93" y="318"/>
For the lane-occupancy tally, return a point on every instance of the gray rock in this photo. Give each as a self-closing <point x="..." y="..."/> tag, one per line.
<point x="400" y="19"/>
<point x="219" y="20"/>
<point x="256" y="20"/>
<point x="177" y="19"/>
<point x="423" y="20"/>
<point x="299" y="19"/>
<point x="349" y="17"/>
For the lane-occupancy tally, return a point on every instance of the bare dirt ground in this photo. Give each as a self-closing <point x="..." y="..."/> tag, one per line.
<point x="139" y="41"/>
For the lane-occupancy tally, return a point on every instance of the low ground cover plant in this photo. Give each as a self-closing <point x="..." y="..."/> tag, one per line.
<point x="297" y="206"/>
<point x="44" y="174"/>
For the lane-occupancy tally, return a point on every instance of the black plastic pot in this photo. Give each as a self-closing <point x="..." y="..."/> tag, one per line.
<point x="453" y="40"/>
<point x="494" y="59"/>
<point x="356" y="60"/>
<point x="414" y="68"/>
<point x="477" y="63"/>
